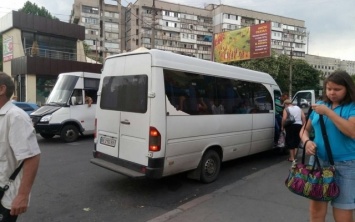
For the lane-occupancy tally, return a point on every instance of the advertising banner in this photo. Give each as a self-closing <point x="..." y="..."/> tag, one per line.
<point x="242" y="44"/>
<point x="7" y="49"/>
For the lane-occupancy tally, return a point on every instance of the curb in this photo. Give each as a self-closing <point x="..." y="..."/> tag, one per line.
<point x="195" y="202"/>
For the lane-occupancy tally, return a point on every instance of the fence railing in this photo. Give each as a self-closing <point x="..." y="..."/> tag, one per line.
<point x="52" y="54"/>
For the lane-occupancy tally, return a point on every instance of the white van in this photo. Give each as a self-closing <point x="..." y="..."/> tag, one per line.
<point x="65" y="112"/>
<point x="160" y="113"/>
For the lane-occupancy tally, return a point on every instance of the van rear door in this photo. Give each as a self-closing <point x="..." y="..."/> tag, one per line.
<point x="123" y="116"/>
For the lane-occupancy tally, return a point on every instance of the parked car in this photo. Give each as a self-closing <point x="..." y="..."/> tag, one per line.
<point x="27" y="107"/>
<point x="303" y="103"/>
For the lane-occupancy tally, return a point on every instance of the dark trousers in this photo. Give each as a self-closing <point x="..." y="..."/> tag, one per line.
<point x="5" y="215"/>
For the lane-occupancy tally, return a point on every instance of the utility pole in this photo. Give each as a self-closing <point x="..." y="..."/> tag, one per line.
<point x="307" y="41"/>
<point x="290" y="75"/>
<point x="152" y="44"/>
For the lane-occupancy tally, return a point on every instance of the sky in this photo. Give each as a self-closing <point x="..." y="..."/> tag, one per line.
<point x="330" y="23"/>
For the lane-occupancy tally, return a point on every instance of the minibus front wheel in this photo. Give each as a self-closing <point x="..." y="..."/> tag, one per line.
<point x="69" y="133"/>
<point x="46" y="135"/>
<point x="210" y="166"/>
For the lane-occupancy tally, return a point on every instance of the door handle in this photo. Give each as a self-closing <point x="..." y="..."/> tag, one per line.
<point x="126" y="122"/>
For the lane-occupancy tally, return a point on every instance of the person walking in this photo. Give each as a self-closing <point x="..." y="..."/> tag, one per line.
<point x="338" y="110"/>
<point x="18" y="144"/>
<point x="292" y="131"/>
<point x="279" y="107"/>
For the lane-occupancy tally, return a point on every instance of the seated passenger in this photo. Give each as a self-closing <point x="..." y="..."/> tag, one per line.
<point x="217" y="107"/>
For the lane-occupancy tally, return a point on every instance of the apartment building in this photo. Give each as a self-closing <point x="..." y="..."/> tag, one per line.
<point x="180" y="28"/>
<point x="102" y="22"/>
<point x="288" y="35"/>
<point x="328" y="65"/>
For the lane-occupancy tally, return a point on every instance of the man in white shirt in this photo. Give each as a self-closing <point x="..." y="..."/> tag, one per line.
<point x="18" y="143"/>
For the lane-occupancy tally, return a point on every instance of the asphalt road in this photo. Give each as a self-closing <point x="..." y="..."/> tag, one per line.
<point x="69" y="188"/>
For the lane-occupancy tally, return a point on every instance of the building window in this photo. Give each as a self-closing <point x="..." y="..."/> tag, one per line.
<point x="111" y="45"/>
<point x="110" y="35"/>
<point x="111" y="14"/>
<point x="89" y="9"/>
<point x="111" y="27"/>
<point x="89" y="20"/>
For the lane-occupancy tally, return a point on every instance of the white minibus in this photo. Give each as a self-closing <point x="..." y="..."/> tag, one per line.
<point x="65" y="113"/>
<point x="159" y="113"/>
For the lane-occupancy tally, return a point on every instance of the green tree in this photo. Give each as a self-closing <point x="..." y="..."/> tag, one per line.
<point x="353" y="77"/>
<point x="304" y="76"/>
<point x="32" y="8"/>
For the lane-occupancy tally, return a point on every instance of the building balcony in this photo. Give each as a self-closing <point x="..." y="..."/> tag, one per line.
<point x="295" y="32"/>
<point x="52" y="54"/>
<point x="203" y="42"/>
<point x="288" y="39"/>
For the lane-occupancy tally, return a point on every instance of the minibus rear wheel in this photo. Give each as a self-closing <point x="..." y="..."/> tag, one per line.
<point x="69" y="133"/>
<point x="210" y="166"/>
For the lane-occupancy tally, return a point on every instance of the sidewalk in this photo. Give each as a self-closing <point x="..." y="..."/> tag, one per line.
<point x="261" y="196"/>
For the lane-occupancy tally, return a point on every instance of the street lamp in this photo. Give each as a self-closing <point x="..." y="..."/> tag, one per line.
<point x="290" y="71"/>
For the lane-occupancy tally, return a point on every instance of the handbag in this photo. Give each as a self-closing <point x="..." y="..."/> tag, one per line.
<point x="11" y="179"/>
<point x="281" y="141"/>
<point x="313" y="181"/>
<point x="290" y="119"/>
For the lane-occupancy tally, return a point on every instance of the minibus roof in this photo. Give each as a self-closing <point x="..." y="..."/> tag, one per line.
<point x="170" y="60"/>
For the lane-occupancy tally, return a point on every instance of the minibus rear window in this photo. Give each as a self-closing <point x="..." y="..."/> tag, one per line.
<point x="125" y="93"/>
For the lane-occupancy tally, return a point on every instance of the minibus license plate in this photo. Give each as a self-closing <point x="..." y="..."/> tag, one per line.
<point x="109" y="141"/>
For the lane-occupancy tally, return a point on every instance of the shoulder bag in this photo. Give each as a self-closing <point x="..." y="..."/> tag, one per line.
<point x="313" y="181"/>
<point x="11" y="179"/>
<point x="290" y="119"/>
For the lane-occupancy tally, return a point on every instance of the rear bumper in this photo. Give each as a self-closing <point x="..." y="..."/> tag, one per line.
<point x="153" y="170"/>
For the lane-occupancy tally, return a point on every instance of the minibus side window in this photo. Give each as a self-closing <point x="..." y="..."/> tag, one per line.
<point x="197" y="94"/>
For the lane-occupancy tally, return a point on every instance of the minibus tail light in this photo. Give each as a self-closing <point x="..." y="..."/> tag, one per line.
<point x="154" y="139"/>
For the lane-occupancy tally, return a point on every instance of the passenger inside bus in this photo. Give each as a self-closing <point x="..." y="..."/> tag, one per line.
<point x="88" y="100"/>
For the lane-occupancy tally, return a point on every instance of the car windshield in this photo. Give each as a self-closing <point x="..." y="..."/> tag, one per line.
<point x="62" y="90"/>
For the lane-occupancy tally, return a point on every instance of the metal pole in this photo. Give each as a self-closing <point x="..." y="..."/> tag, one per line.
<point x="307" y="41"/>
<point x="290" y="76"/>
<point x="152" y="44"/>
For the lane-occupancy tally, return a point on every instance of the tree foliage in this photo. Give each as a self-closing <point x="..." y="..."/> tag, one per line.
<point x="34" y="9"/>
<point x="304" y="76"/>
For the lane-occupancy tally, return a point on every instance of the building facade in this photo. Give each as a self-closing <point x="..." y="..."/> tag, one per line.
<point x="180" y="28"/>
<point x="328" y="65"/>
<point x="288" y="35"/>
<point x="103" y="24"/>
<point x="37" y="49"/>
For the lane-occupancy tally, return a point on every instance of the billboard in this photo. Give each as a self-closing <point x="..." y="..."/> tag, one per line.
<point x="246" y="43"/>
<point x="7" y="49"/>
